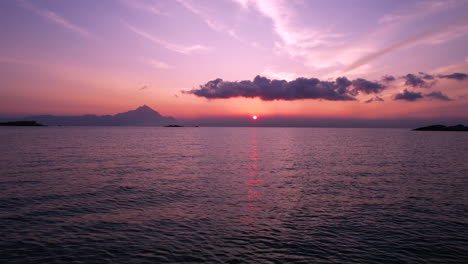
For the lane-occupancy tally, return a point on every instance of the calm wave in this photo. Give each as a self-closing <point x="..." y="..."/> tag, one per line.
<point x="236" y="195"/>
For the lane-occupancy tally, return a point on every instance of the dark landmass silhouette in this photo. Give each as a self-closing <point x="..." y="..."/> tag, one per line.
<point x="173" y="126"/>
<point x="21" y="123"/>
<point x="442" y="128"/>
<point x="330" y="122"/>
<point x="145" y="116"/>
<point x="142" y="116"/>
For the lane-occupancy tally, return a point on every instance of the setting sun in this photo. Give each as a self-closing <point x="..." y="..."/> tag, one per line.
<point x="254" y="117"/>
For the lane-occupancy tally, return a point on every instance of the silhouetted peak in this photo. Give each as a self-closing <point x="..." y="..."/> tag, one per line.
<point x="144" y="108"/>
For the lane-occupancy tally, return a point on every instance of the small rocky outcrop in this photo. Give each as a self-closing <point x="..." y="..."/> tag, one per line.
<point x="442" y="128"/>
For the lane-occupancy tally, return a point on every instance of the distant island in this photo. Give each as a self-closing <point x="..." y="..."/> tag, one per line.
<point x="142" y="116"/>
<point x="442" y="128"/>
<point x="173" y="126"/>
<point x="21" y="123"/>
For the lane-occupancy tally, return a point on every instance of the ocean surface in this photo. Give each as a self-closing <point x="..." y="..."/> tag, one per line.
<point x="232" y="195"/>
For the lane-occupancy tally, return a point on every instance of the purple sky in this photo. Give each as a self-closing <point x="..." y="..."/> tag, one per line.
<point x="104" y="57"/>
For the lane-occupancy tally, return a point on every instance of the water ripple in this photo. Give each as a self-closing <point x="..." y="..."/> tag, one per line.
<point x="232" y="195"/>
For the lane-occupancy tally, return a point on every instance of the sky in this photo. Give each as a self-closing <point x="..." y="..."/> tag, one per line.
<point x="346" y="59"/>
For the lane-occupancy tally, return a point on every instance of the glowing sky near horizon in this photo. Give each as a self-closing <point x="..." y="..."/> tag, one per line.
<point x="105" y="57"/>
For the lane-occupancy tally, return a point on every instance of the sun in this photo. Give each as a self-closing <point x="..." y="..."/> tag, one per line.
<point x="254" y="117"/>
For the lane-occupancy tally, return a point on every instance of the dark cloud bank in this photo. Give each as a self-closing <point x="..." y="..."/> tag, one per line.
<point x="413" y="96"/>
<point x="341" y="89"/>
<point x="455" y="76"/>
<point x="422" y="80"/>
<point x="438" y="95"/>
<point x="408" y="96"/>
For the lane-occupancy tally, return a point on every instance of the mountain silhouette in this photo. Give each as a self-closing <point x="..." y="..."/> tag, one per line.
<point x="142" y="116"/>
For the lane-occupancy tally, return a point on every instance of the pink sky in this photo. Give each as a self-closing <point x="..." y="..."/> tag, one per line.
<point x="105" y="57"/>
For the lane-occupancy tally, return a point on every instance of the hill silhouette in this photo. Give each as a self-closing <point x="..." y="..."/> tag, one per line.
<point x="142" y="116"/>
<point x="442" y="128"/>
<point x="21" y="123"/>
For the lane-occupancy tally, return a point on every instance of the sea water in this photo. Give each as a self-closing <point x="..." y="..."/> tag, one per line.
<point x="232" y="195"/>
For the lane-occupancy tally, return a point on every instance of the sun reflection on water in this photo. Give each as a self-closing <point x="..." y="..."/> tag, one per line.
<point x="253" y="183"/>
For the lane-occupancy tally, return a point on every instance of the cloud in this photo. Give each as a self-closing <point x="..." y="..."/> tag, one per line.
<point x="146" y="7"/>
<point x="159" y="64"/>
<point x="166" y="44"/>
<point x="294" y="39"/>
<point x="439" y="96"/>
<point x="435" y="35"/>
<point x="426" y="76"/>
<point x="391" y="18"/>
<point x="242" y="3"/>
<point x="341" y="89"/>
<point x="288" y="76"/>
<point x="398" y="45"/>
<point x="418" y="10"/>
<point x="322" y="48"/>
<point x="456" y="76"/>
<point x="419" y="81"/>
<point x="388" y="78"/>
<point x="408" y="96"/>
<point x="214" y="25"/>
<point x="55" y="18"/>
<point x="374" y="99"/>
<point x="450" y="33"/>
<point x="144" y="87"/>
<point x="367" y="87"/>
<point x="375" y="44"/>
